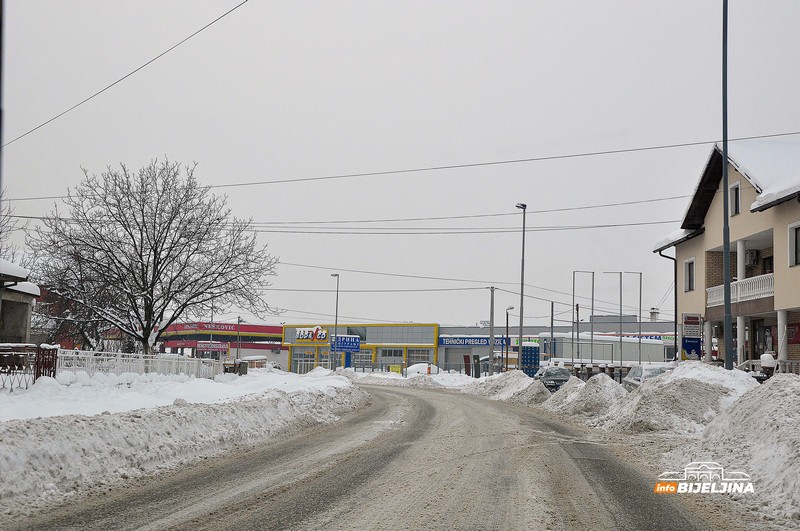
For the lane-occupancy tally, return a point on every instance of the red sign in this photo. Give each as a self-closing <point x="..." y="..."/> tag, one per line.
<point x="792" y="335"/>
<point x="202" y="327"/>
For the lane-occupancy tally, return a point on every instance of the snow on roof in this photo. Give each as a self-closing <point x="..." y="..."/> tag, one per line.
<point x="673" y="238"/>
<point x="26" y="287"/>
<point x="771" y="164"/>
<point x="12" y="270"/>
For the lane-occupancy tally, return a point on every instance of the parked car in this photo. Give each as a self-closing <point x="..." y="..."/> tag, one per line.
<point x="640" y="373"/>
<point x="552" y="377"/>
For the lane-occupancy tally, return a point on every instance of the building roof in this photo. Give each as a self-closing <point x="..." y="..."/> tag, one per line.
<point x="11" y="272"/>
<point x="770" y="165"/>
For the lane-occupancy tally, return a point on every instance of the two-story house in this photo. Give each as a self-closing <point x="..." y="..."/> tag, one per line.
<point x="764" y="223"/>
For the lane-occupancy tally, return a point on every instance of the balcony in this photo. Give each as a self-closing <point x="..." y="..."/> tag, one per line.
<point x="743" y="290"/>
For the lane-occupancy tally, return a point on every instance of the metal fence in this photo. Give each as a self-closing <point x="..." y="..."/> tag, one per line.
<point x="22" y="364"/>
<point x="118" y="363"/>
<point x="17" y="368"/>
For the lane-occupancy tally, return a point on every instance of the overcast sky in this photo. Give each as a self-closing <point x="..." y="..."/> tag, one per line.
<point x="278" y="91"/>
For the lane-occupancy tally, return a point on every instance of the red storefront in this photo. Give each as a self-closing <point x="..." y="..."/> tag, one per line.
<point x="217" y="340"/>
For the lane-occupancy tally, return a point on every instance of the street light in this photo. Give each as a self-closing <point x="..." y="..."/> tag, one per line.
<point x="238" y="338"/>
<point x="523" y="207"/>
<point x="336" y="322"/>
<point x="508" y="341"/>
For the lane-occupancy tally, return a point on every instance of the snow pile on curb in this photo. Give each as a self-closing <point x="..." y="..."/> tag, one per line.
<point x="533" y="395"/>
<point x="390" y="379"/>
<point x="560" y="400"/>
<point x="47" y="458"/>
<point x="501" y="386"/>
<point x="760" y="434"/>
<point x="592" y="399"/>
<point x="681" y="401"/>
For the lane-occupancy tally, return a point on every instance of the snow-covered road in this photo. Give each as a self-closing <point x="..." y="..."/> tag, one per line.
<point x="77" y="441"/>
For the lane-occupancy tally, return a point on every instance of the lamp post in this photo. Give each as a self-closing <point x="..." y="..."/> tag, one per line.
<point x="239" y="337"/>
<point x="523" y="207"/>
<point x="620" y="324"/>
<point x="335" y="322"/>
<point x="508" y="341"/>
<point x="640" y="311"/>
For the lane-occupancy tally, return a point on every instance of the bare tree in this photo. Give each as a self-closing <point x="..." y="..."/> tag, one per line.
<point x="8" y="224"/>
<point x="139" y="250"/>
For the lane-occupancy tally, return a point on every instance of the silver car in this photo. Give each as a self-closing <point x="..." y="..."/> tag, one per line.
<point x="640" y="373"/>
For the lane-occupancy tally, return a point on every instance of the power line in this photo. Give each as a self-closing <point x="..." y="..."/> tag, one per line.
<point x="384" y="231"/>
<point x="469" y="165"/>
<point x="417" y="290"/>
<point x="129" y="74"/>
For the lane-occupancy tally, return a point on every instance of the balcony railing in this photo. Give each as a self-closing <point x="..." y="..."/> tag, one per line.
<point x="743" y="290"/>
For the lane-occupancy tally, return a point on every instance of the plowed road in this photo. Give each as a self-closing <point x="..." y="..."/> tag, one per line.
<point x="411" y="459"/>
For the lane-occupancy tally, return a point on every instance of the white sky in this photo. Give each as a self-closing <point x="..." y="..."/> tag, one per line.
<point x="292" y="90"/>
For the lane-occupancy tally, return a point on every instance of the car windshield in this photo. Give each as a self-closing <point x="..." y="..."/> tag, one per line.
<point x="556" y="372"/>
<point x="652" y="372"/>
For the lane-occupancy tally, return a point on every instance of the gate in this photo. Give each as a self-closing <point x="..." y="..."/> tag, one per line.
<point x="46" y="360"/>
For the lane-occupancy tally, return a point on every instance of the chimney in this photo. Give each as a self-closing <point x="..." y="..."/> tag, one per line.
<point x="654" y="315"/>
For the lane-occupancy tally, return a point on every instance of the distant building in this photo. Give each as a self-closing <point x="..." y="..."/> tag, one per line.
<point x="17" y="297"/>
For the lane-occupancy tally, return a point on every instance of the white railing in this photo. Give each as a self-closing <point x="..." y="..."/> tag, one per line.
<point x="118" y="363"/>
<point x="790" y="366"/>
<point x="743" y="290"/>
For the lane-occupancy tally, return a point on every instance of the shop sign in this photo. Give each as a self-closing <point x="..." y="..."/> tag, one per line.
<point x="515" y="340"/>
<point x="213" y="346"/>
<point x="311" y="335"/>
<point x="467" y="341"/>
<point x="347" y="344"/>
<point x="692" y="325"/>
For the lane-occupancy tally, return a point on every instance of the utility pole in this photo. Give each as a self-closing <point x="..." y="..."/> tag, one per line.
<point x="491" y="332"/>
<point x="726" y="232"/>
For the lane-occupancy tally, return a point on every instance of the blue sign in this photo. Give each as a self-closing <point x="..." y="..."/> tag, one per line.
<point x="530" y="360"/>
<point x="347" y="344"/>
<point x="471" y="341"/>
<point x="690" y="347"/>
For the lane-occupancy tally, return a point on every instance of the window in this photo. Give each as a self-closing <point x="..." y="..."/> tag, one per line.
<point x="769" y="265"/>
<point x="794" y="244"/>
<point x="735" y="198"/>
<point x="688" y="275"/>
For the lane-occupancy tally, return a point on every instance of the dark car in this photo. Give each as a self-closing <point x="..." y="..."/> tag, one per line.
<point x="552" y="377"/>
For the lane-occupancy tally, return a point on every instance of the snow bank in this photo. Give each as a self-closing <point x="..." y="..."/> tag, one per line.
<point x="681" y="401"/>
<point x="501" y="386"/>
<point x="590" y="400"/>
<point x="560" y="400"/>
<point x="533" y="395"/>
<point x="760" y="434"/>
<point x="389" y="379"/>
<point x="44" y="458"/>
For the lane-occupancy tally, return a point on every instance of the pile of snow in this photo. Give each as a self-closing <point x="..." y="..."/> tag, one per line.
<point x="760" y="435"/>
<point x="533" y="395"/>
<point x="422" y="368"/>
<point x="560" y="400"/>
<point x="681" y="401"/>
<point x="416" y="379"/>
<point x="501" y="386"/>
<point x="590" y="400"/>
<point x="157" y="422"/>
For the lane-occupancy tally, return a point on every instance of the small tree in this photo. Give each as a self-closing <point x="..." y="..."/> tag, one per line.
<point x="139" y="250"/>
